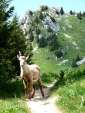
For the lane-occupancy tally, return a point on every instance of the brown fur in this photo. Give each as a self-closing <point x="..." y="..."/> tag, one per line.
<point x="30" y="74"/>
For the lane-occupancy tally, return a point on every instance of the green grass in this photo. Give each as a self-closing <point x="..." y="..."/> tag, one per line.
<point x="71" y="93"/>
<point x="13" y="105"/>
<point x="71" y="97"/>
<point x="46" y="60"/>
<point x="49" y="65"/>
<point x="77" y="34"/>
<point x="11" y="98"/>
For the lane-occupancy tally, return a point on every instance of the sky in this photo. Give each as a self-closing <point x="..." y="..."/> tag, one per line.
<point x="21" y="6"/>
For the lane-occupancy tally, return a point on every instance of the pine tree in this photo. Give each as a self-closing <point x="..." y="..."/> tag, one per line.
<point x="62" y="11"/>
<point x="79" y="16"/>
<point x="71" y="12"/>
<point x="12" y="40"/>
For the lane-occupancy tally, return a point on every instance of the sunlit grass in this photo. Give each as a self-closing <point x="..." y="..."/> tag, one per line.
<point x="14" y="105"/>
<point x="12" y="99"/>
<point x="71" y="91"/>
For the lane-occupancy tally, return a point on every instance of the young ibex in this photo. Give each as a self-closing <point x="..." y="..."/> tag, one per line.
<point x="30" y="74"/>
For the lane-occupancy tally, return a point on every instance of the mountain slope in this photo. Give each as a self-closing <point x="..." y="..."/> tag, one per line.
<point x="58" y="40"/>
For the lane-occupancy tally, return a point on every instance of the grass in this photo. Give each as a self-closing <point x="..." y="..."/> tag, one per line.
<point x="71" y="92"/>
<point x="46" y="60"/>
<point x="77" y="34"/>
<point x="49" y="65"/>
<point x="71" y="97"/>
<point x="11" y="98"/>
<point x="13" y="105"/>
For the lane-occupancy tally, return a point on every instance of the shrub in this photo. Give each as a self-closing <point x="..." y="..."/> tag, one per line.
<point x="48" y="78"/>
<point x="44" y="8"/>
<point x="59" y="53"/>
<point x="42" y="42"/>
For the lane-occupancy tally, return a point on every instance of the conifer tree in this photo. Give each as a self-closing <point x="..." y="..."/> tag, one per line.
<point x="12" y="40"/>
<point x="62" y="11"/>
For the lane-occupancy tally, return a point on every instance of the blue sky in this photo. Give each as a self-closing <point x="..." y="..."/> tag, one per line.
<point x="21" y="6"/>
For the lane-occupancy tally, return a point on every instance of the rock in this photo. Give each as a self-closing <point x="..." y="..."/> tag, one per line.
<point x="82" y="61"/>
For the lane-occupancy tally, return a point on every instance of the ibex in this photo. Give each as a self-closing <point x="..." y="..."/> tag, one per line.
<point x="30" y="74"/>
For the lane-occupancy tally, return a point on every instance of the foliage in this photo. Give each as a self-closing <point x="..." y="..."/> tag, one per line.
<point x="57" y="12"/>
<point x="83" y="14"/>
<point x="30" y="13"/>
<point x="12" y="40"/>
<point x="74" y="61"/>
<point x="11" y="89"/>
<point x="71" y="12"/>
<point x="59" y="53"/>
<point x="44" y="8"/>
<point x="72" y="92"/>
<point x="62" y="11"/>
<point x="49" y="77"/>
<point x="42" y="42"/>
<point x="13" y="105"/>
<point x="53" y="42"/>
<point x="11" y="95"/>
<point x="79" y="16"/>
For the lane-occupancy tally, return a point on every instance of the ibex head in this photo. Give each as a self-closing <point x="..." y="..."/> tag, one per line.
<point x="22" y="58"/>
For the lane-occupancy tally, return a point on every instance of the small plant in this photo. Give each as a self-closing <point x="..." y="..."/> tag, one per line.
<point x="75" y="60"/>
<point x="48" y="78"/>
<point x="61" y="75"/>
<point x="74" y="63"/>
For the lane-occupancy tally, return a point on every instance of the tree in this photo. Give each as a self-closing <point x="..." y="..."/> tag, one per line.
<point x="79" y="16"/>
<point x="42" y="42"/>
<point x="30" y="13"/>
<point x="17" y="42"/>
<point x="52" y="42"/>
<point x="71" y="12"/>
<point x="62" y="11"/>
<point x="83" y="14"/>
<point x="12" y="40"/>
<point x="44" y="8"/>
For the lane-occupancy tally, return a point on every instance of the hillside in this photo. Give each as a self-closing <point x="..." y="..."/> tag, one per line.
<point x="72" y="36"/>
<point x="58" y="40"/>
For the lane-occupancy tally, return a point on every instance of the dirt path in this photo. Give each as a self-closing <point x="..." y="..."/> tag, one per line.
<point x="40" y="105"/>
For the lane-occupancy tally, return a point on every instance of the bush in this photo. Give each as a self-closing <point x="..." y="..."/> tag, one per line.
<point x="44" y="8"/>
<point x="13" y="88"/>
<point x="75" y="60"/>
<point x="74" y="74"/>
<point x="79" y="16"/>
<point x="59" y="53"/>
<point x="52" y="42"/>
<point x="42" y="42"/>
<point x="48" y="78"/>
<point x="12" y="40"/>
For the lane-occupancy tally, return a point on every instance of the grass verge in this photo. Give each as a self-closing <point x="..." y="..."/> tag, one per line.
<point x="13" y="105"/>
<point x="11" y="98"/>
<point x="72" y="93"/>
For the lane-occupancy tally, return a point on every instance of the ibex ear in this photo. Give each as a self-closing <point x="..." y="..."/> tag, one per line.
<point x="20" y="53"/>
<point x="27" y="57"/>
<point x="18" y="57"/>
